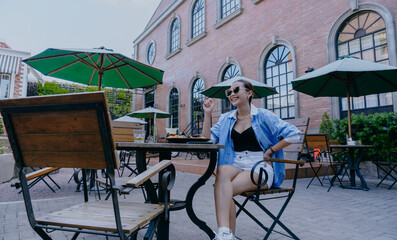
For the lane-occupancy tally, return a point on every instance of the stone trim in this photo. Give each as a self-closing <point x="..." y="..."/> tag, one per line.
<point x="276" y="41"/>
<point x="191" y="40"/>
<point x="170" y="55"/>
<point x="220" y="22"/>
<point x="169" y="32"/>
<point x="197" y="38"/>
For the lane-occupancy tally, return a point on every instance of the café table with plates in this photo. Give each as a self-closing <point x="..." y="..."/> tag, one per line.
<point x="355" y="158"/>
<point x="164" y="150"/>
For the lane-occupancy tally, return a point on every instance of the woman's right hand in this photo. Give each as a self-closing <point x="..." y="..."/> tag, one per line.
<point x="208" y="105"/>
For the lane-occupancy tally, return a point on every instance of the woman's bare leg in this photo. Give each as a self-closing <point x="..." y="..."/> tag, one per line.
<point x="223" y="193"/>
<point x="241" y="183"/>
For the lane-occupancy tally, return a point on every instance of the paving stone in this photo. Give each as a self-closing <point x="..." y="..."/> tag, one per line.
<point x="313" y="213"/>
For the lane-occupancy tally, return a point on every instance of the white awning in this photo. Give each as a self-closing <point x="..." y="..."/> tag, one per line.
<point x="9" y="64"/>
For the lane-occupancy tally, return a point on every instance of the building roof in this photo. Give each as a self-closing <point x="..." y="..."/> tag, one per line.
<point x="163" y="5"/>
<point x="4" y="45"/>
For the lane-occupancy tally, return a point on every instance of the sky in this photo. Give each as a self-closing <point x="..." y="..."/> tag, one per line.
<point x="35" y="25"/>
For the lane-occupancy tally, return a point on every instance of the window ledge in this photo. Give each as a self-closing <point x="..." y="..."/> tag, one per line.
<point x="256" y="1"/>
<point x="170" y="55"/>
<point x="228" y="18"/>
<point x="195" y="39"/>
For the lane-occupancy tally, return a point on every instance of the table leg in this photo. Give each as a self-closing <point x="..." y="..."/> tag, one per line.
<point x="357" y="167"/>
<point x="354" y="167"/>
<point x="192" y="191"/>
<point x="164" y="224"/>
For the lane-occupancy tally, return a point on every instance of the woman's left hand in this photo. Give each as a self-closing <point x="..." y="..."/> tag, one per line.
<point x="267" y="154"/>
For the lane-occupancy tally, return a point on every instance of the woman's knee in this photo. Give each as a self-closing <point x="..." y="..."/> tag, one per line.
<point x="226" y="173"/>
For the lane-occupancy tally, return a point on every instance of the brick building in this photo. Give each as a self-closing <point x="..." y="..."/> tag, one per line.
<point x="199" y="43"/>
<point x="13" y="72"/>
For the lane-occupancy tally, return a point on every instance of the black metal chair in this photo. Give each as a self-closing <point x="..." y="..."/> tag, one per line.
<point x="73" y="131"/>
<point x="389" y="168"/>
<point x="278" y="193"/>
<point x="317" y="145"/>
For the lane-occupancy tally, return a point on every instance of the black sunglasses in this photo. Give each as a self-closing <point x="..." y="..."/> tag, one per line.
<point x="229" y="91"/>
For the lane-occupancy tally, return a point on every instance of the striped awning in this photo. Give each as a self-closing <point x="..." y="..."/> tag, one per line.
<point x="9" y="64"/>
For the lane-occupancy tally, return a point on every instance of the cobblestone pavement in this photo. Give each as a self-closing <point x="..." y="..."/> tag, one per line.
<point x="313" y="213"/>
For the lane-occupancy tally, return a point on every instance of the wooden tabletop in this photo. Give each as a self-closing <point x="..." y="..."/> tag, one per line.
<point x="169" y="146"/>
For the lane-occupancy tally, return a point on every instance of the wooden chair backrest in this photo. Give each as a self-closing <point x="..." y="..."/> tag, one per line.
<point x="317" y="141"/>
<point x="124" y="131"/>
<point x="70" y="130"/>
<point x="291" y="152"/>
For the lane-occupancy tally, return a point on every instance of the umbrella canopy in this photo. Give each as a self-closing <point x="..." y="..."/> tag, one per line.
<point x="348" y="77"/>
<point x="260" y="89"/>
<point x="98" y="66"/>
<point x="130" y="119"/>
<point x="150" y="112"/>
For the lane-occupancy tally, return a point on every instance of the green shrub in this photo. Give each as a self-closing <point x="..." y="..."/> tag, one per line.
<point x="50" y="88"/>
<point x="326" y="125"/>
<point x="119" y="100"/>
<point x="379" y="129"/>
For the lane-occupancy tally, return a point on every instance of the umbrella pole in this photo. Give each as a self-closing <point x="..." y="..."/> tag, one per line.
<point x="100" y="74"/>
<point x="349" y="114"/>
<point x="154" y="128"/>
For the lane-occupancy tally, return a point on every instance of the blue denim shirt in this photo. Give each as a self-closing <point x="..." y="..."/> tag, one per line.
<point x="269" y="130"/>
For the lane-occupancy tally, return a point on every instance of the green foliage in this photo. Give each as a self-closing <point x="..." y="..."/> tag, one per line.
<point x="379" y="129"/>
<point x="119" y="100"/>
<point x="326" y="125"/>
<point x="50" y="88"/>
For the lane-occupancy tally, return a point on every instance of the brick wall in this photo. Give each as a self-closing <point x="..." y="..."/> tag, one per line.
<point x="305" y="23"/>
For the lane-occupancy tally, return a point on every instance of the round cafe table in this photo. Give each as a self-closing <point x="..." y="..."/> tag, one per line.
<point x="354" y="164"/>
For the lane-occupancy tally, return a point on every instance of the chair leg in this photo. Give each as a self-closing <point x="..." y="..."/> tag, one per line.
<point x="276" y="220"/>
<point x="42" y="233"/>
<point x="336" y="176"/>
<point x="315" y="175"/>
<point x="388" y="173"/>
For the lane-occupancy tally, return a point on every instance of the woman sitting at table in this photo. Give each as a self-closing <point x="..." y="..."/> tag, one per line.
<point x="249" y="134"/>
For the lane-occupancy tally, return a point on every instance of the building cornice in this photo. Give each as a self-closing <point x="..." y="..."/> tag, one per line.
<point x="159" y="20"/>
<point x="12" y="52"/>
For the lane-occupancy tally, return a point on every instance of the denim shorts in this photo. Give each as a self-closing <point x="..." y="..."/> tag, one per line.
<point x="245" y="160"/>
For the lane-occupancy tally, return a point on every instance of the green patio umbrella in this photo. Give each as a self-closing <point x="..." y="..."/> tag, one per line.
<point x="98" y="66"/>
<point x="218" y="91"/>
<point x="150" y="112"/>
<point x="348" y="77"/>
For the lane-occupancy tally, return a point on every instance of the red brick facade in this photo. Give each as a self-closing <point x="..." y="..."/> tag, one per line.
<point x="305" y="24"/>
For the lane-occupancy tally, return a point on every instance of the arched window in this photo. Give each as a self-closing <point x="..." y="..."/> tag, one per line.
<point x="151" y="53"/>
<point x="279" y="74"/>
<point x="174" y="108"/>
<point x="198" y="18"/>
<point x="197" y="110"/>
<point x="229" y="6"/>
<point x="363" y="35"/>
<point x="175" y="35"/>
<point x="229" y="72"/>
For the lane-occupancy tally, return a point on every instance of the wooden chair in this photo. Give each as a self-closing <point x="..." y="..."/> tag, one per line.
<point x="73" y="131"/>
<point x="317" y="145"/>
<point x="280" y="192"/>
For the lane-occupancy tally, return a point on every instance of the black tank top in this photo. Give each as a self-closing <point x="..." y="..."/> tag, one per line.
<point x="245" y="141"/>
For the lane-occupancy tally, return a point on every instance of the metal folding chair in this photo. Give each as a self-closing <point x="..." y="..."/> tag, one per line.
<point x="283" y="192"/>
<point x="389" y="168"/>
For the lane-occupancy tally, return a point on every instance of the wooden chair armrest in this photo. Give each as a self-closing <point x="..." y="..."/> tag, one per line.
<point x="40" y="172"/>
<point x="285" y="161"/>
<point x="142" y="177"/>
